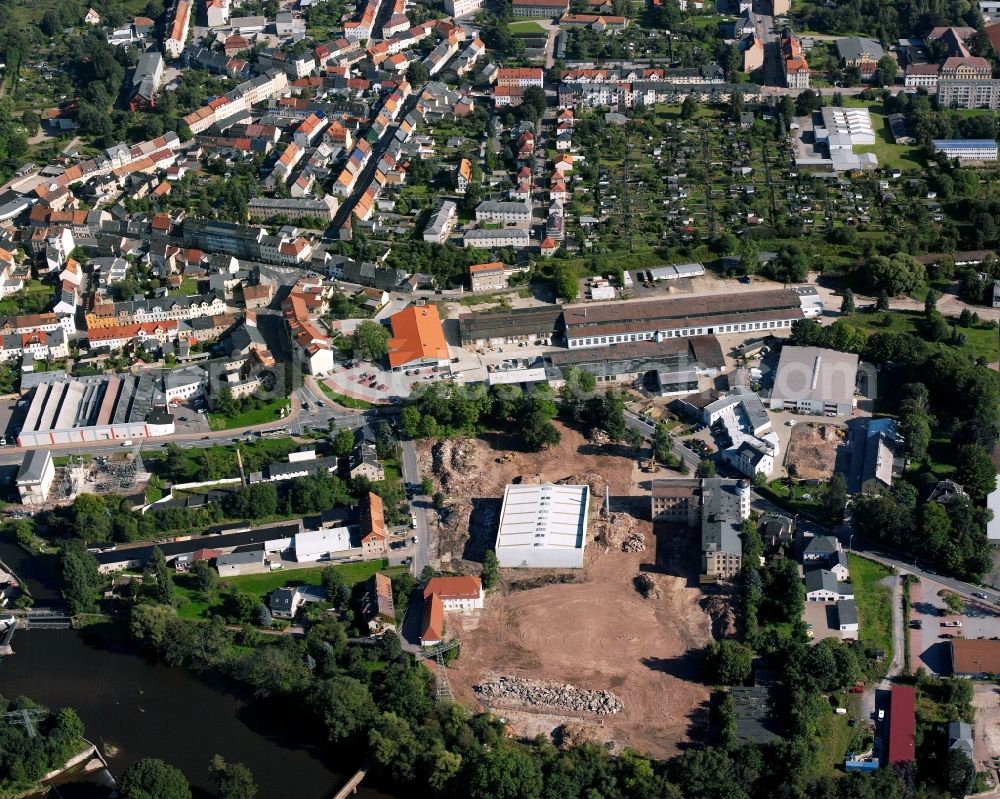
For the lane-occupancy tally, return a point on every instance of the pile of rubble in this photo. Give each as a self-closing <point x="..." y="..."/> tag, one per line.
<point x="647" y="586"/>
<point x="516" y="691"/>
<point x="618" y="531"/>
<point x="456" y="465"/>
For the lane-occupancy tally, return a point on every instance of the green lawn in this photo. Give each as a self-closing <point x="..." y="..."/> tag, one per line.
<point x="833" y="740"/>
<point x="340" y="399"/>
<point x="980" y="341"/>
<point x="874" y="603"/>
<point x="900" y="156"/>
<point x="524" y="27"/>
<point x="263" y="415"/>
<point x="264" y="584"/>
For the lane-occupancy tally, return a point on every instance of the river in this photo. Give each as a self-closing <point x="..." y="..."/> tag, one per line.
<point x="147" y="709"/>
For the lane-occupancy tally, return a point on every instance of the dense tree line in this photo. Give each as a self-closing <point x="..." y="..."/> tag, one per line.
<point x="888" y="22"/>
<point x="442" y="408"/>
<point x="943" y="397"/>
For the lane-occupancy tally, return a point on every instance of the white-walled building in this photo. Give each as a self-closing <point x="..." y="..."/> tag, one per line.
<point x="313" y="545"/>
<point x="34" y="478"/>
<point x="543" y="526"/>
<point x="815" y="380"/>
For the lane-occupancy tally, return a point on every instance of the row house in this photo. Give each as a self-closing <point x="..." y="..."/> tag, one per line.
<point x="178" y="29"/>
<point x="240" y="99"/>
<point x="520" y="76"/>
<point x="295" y="66"/>
<point x="119" y="336"/>
<point x="36" y="323"/>
<point x="157" y="309"/>
<point x="310" y="345"/>
<point x="40" y="345"/>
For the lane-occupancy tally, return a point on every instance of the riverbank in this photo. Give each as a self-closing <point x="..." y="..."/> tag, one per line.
<point x="148" y="709"/>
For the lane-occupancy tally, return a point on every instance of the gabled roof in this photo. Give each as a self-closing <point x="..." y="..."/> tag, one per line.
<point x="417" y="333"/>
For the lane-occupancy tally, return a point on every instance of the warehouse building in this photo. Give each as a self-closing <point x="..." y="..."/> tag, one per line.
<point x="95" y="409"/>
<point x="533" y="325"/>
<point x="596" y="325"/>
<point x="815" y="380"/>
<point x="543" y="526"/>
<point x="672" y="365"/>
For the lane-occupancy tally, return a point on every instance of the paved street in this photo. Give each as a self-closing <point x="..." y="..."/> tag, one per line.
<point x="419" y="506"/>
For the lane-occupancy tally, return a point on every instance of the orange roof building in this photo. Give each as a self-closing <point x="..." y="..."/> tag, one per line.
<point x="447" y="594"/>
<point x="417" y="338"/>
<point x="432" y="631"/>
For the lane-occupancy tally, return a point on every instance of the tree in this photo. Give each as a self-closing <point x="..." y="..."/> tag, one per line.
<point x="204" y="578"/>
<point x="847" y="304"/>
<point x="264" y="617"/>
<point x="343" y="443"/>
<point x="506" y="771"/>
<point x="612" y="416"/>
<point x="427" y="486"/>
<point x="80" y="577"/>
<point x="706" y="468"/>
<point x="345" y="705"/>
<point x="930" y="302"/>
<point x="151" y="778"/>
<point x="663" y="443"/>
<point x="491" y="569"/>
<point x="688" y="107"/>
<point x="577" y="390"/>
<point x="635" y="440"/>
<point x="834" y="497"/>
<point x="961" y="773"/>
<point x="975" y="471"/>
<point x="232" y="780"/>
<point x="371" y="340"/>
<point x="882" y="301"/>
<point x="886" y="71"/>
<point x="534" y="97"/>
<point x="730" y="662"/>
<point x="391" y="644"/>
<point x="537" y="432"/>
<point x="225" y="403"/>
<point x="807" y="102"/>
<point x="566" y="281"/>
<point x="159" y="579"/>
<point x="915" y="428"/>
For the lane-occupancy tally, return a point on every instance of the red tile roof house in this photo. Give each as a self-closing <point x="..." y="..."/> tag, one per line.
<point x="447" y="594"/>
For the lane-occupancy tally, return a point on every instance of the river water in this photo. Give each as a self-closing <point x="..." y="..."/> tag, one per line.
<point x="146" y="709"/>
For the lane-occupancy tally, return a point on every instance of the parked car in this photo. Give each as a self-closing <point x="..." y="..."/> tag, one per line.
<point x="980" y="595"/>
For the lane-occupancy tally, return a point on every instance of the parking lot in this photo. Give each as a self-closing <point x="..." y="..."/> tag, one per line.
<point x="822" y="620"/>
<point x="929" y="642"/>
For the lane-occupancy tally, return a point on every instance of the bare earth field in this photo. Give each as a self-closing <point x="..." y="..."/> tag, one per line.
<point x="812" y="448"/>
<point x="600" y="633"/>
<point x="594" y="630"/>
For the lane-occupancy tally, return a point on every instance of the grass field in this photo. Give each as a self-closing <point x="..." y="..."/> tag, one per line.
<point x="525" y="27"/>
<point x="264" y="584"/>
<point x="262" y="415"/>
<point x="192" y="607"/>
<point x="874" y="604"/>
<point x="340" y="399"/>
<point x="980" y="341"/>
<point x="900" y="156"/>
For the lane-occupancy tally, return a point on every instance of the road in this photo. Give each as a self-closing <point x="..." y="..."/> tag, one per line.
<point x="682" y="452"/>
<point x="902" y="562"/>
<point x="418" y="507"/>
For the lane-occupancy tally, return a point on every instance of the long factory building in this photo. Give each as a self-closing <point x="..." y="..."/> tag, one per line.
<point x="604" y="324"/>
<point x="95" y="409"/>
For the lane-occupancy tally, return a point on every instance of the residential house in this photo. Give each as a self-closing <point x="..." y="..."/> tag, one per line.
<point x="377" y="608"/>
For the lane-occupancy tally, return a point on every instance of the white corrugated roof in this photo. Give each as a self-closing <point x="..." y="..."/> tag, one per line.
<point x="553" y="516"/>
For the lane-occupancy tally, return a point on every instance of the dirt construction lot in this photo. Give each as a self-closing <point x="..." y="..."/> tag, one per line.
<point x="813" y="449"/>
<point x="599" y="634"/>
<point x="593" y="629"/>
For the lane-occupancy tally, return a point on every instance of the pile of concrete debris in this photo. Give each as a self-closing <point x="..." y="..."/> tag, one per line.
<point x="618" y="531"/>
<point x="516" y="691"/>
